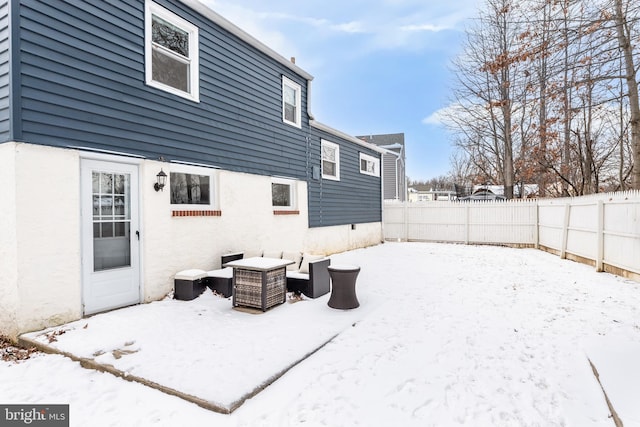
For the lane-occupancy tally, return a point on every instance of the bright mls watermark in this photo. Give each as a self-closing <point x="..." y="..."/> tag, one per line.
<point x="34" y="415"/>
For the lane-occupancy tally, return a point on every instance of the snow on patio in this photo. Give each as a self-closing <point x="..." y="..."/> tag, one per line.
<point x="203" y="348"/>
<point x="445" y="335"/>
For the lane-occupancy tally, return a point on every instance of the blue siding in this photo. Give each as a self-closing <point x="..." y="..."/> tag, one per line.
<point x="83" y="85"/>
<point x="5" y="64"/>
<point x="79" y="81"/>
<point x="356" y="198"/>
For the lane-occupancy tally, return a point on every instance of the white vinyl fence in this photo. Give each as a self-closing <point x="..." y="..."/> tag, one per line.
<point x="603" y="228"/>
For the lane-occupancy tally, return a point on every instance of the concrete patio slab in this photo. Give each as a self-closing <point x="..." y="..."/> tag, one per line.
<point x="190" y="349"/>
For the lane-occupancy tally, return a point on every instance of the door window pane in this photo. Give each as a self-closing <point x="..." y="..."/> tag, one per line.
<point x="119" y="184"/>
<point x="118" y="206"/>
<point x="106" y="205"/>
<point x="111" y="220"/>
<point x="106" y="183"/>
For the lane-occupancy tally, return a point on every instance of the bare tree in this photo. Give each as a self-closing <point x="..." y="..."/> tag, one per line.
<point x="536" y="97"/>
<point x="625" y="29"/>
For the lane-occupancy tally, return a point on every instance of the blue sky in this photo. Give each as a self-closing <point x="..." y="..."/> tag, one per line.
<point x="379" y="66"/>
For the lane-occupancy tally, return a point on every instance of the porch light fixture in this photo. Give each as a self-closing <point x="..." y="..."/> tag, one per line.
<point x="161" y="179"/>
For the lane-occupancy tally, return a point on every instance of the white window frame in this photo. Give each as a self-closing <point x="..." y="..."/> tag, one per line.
<point x="195" y="170"/>
<point x="370" y="160"/>
<point x="336" y="148"/>
<point x="286" y="82"/>
<point x="152" y="9"/>
<point x="292" y="194"/>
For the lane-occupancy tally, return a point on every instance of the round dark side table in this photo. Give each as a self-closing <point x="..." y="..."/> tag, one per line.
<point x="343" y="288"/>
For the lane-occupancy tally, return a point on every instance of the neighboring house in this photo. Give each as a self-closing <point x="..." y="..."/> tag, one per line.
<point x="394" y="161"/>
<point x="482" y="194"/>
<point x="423" y="193"/>
<point x="101" y="101"/>
<point x="485" y="191"/>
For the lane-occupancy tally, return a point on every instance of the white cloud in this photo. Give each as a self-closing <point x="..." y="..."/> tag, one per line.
<point x="350" y="27"/>
<point x="423" y="27"/>
<point x="390" y="23"/>
<point x="254" y="23"/>
<point x="436" y="118"/>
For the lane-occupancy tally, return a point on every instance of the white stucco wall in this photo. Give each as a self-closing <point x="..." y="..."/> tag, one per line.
<point x="8" y="242"/>
<point x="247" y="222"/>
<point x="48" y="235"/>
<point x="40" y="231"/>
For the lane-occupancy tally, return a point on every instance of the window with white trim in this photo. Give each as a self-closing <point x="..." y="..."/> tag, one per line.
<point x="291" y="102"/>
<point x="330" y="160"/>
<point x="192" y="187"/>
<point x="369" y="165"/>
<point x="171" y="52"/>
<point x="283" y="194"/>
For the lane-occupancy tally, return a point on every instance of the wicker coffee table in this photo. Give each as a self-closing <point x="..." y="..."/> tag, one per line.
<point x="259" y="282"/>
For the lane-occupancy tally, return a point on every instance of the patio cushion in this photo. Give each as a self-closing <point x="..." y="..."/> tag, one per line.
<point x="193" y="274"/>
<point x="306" y="259"/>
<point x="252" y="253"/>
<point x="225" y="273"/>
<point x="297" y="275"/>
<point x="294" y="256"/>
<point x="272" y="254"/>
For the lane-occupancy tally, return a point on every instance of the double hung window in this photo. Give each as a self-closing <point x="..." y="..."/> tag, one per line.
<point x="330" y="160"/>
<point x="171" y="52"/>
<point x="369" y="165"/>
<point x="291" y="102"/>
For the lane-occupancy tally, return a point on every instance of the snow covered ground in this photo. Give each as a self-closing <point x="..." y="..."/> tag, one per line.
<point x="446" y="335"/>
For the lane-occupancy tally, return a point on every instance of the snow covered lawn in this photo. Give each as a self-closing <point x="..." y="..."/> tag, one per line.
<point x="445" y="335"/>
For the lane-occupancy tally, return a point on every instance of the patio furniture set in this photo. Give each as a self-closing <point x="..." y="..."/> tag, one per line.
<point x="259" y="280"/>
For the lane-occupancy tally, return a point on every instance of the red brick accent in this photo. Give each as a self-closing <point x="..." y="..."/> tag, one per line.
<point x="286" y="212"/>
<point x="196" y="213"/>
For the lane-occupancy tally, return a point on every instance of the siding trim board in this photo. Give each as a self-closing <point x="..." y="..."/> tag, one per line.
<point x="15" y="103"/>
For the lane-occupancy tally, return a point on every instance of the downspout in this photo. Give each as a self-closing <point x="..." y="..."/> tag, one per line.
<point x="382" y="215"/>
<point x="397" y="178"/>
<point x="309" y="165"/>
<point x="309" y="113"/>
<point x="404" y="175"/>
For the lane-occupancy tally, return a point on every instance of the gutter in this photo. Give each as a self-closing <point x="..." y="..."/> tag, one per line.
<point x="316" y="124"/>
<point x="218" y="19"/>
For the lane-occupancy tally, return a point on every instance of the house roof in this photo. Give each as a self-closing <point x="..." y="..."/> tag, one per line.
<point x="316" y="124"/>
<point x="243" y="35"/>
<point x="208" y="13"/>
<point x="388" y="141"/>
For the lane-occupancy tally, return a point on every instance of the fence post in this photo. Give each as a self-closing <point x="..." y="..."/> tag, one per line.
<point x="565" y="230"/>
<point x="467" y="209"/>
<point x="600" y="238"/>
<point x="406" y="221"/>
<point x="536" y="230"/>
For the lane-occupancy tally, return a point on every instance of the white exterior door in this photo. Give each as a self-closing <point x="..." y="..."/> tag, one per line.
<point x="110" y="235"/>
